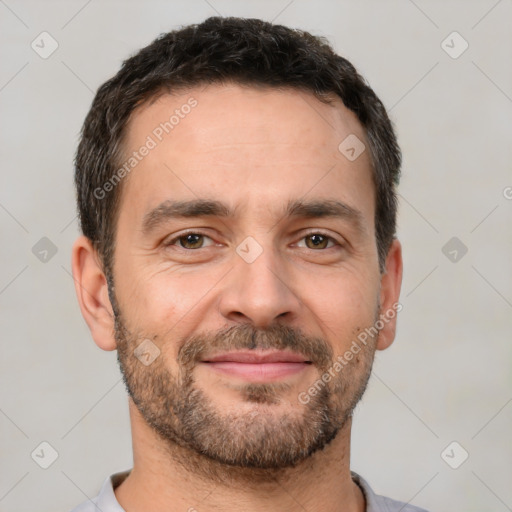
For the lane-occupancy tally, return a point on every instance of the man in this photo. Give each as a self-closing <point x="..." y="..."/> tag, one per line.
<point x="236" y="190"/>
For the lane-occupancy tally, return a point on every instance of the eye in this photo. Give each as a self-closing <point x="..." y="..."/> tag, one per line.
<point x="190" y="241"/>
<point x="316" y="241"/>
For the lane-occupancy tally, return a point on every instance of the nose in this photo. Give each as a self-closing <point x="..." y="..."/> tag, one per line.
<point x="260" y="292"/>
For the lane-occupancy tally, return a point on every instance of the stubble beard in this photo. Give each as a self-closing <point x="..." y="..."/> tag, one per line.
<point x="259" y="437"/>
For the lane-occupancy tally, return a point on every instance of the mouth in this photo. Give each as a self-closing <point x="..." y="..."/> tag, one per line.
<point x="262" y="366"/>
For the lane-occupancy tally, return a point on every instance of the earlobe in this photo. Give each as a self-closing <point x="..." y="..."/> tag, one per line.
<point x="92" y="293"/>
<point x="391" y="282"/>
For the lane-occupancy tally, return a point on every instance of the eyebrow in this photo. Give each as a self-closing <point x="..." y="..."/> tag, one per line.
<point x="297" y="208"/>
<point x="183" y="209"/>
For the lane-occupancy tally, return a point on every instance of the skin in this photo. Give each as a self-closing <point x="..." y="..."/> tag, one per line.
<point x="254" y="149"/>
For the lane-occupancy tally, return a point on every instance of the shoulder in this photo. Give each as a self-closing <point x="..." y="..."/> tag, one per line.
<point x="88" y="506"/>
<point x="377" y="503"/>
<point x="106" y="500"/>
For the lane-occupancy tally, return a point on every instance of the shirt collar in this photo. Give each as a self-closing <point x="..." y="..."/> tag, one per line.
<point x="107" y="499"/>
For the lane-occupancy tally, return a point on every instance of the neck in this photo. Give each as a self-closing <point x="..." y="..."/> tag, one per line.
<point x="166" y="478"/>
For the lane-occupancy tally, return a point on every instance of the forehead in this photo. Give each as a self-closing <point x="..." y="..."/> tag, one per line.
<point x="246" y="145"/>
<point x="226" y="113"/>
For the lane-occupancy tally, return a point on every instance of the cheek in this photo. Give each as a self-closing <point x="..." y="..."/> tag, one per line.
<point x="344" y="305"/>
<point x="168" y="308"/>
<point x="171" y="297"/>
<point x="157" y="300"/>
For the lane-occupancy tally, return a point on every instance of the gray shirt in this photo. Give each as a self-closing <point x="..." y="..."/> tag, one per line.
<point x="106" y="500"/>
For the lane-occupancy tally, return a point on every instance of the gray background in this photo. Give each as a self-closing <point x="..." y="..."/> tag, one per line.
<point x="448" y="375"/>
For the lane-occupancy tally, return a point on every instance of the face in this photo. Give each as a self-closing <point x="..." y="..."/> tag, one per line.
<point x="245" y="267"/>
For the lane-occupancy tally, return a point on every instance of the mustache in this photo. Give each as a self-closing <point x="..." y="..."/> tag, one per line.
<point x="245" y="337"/>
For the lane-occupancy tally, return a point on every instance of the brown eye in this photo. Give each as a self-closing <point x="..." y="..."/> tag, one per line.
<point x="317" y="241"/>
<point x="189" y="241"/>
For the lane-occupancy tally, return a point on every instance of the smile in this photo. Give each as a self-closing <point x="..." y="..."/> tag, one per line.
<point x="258" y="366"/>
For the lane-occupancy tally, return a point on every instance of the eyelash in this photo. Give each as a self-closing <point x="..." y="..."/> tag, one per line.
<point x="172" y="242"/>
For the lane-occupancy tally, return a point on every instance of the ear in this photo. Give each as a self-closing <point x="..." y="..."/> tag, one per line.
<point x="391" y="282"/>
<point x="92" y="293"/>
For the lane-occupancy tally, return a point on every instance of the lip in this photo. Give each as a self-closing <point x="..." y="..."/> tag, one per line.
<point x="246" y="356"/>
<point x="258" y="366"/>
